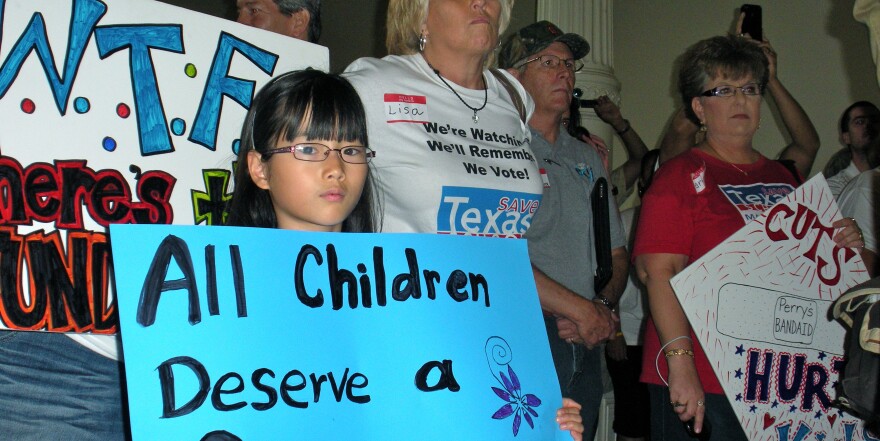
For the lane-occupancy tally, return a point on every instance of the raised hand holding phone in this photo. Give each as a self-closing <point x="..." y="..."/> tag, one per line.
<point x="751" y="22"/>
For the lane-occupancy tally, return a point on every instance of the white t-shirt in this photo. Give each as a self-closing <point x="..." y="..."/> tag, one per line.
<point x="858" y="201"/>
<point x="437" y="171"/>
<point x="106" y="345"/>
<point x="838" y="181"/>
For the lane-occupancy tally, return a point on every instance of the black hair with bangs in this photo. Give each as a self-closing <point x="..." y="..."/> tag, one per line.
<point x="308" y="103"/>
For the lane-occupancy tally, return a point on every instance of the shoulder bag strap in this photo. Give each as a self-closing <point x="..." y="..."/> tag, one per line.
<point x="514" y="95"/>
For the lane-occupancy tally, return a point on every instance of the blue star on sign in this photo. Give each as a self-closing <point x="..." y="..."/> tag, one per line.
<point x="775" y="404"/>
<point x="739" y="397"/>
<point x="740" y="350"/>
<point x="739" y="373"/>
<point x="753" y="408"/>
<point x="792" y="409"/>
<point x="818" y="414"/>
<point x="822" y="355"/>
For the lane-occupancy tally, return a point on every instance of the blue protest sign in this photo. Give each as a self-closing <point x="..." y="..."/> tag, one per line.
<point x="258" y="334"/>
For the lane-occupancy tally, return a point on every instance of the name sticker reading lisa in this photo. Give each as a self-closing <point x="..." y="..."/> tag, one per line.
<point x="406" y="108"/>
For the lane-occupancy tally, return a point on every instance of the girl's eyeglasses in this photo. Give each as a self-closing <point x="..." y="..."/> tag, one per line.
<point x="314" y="152"/>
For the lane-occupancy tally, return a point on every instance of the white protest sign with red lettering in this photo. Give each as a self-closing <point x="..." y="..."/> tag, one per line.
<point x="759" y="304"/>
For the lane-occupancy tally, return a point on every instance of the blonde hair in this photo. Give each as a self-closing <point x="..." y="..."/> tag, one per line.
<point x="405" y="19"/>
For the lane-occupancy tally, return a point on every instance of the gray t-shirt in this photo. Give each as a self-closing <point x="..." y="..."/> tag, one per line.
<point x="561" y="234"/>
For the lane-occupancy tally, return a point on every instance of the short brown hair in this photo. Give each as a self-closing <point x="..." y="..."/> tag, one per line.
<point x="730" y="56"/>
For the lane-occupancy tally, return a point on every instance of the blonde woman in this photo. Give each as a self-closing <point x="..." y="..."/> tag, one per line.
<point x="452" y="143"/>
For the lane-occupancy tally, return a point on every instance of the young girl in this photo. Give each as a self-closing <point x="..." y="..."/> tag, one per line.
<point x="302" y="162"/>
<point x="302" y="165"/>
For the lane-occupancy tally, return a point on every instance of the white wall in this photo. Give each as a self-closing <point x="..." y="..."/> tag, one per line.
<point x="824" y="61"/>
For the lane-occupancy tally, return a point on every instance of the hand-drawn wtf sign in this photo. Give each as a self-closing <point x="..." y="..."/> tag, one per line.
<point x="263" y="334"/>
<point x="759" y="304"/>
<point x="114" y="111"/>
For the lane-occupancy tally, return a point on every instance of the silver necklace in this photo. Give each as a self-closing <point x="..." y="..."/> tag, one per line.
<point x="475" y="109"/>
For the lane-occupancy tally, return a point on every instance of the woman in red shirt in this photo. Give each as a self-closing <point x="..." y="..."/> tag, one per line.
<point x="695" y="202"/>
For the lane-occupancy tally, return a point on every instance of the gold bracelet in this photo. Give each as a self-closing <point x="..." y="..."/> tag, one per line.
<point x="674" y="352"/>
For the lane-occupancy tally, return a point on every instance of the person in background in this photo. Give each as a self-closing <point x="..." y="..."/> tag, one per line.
<point x="683" y="133"/>
<point x="300" y="19"/>
<point x="561" y="236"/>
<point x="860" y="133"/>
<point x="623" y="177"/>
<point x="691" y="207"/>
<point x="860" y="200"/>
<point x="623" y="353"/>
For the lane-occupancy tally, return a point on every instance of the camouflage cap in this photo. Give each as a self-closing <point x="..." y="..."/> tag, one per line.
<point x="534" y="38"/>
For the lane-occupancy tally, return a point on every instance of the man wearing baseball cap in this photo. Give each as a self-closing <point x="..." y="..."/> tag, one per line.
<point x="560" y="239"/>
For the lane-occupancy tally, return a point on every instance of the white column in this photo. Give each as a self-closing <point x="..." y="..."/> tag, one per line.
<point x="593" y="20"/>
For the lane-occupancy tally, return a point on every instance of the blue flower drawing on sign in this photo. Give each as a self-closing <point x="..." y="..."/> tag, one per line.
<point x="519" y="404"/>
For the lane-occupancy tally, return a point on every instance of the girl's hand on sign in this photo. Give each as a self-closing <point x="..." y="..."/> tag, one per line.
<point x="569" y="418"/>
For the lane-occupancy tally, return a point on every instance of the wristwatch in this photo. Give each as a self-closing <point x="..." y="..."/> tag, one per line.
<point x="604" y="300"/>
